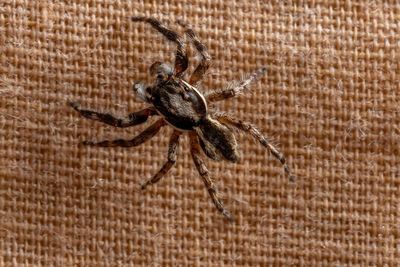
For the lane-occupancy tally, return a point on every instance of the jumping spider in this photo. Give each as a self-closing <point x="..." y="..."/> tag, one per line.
<point x="181" y="105"/>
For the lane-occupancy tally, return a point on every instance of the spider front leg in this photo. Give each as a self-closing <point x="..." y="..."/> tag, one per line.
<point x="204" y="173"/>
<point x="131" y="120"/>
<point x="201" y="48"/>
<point x="181" y="60"/>
<point x="172" y="156"/>
<point x="140" y="139"/>
<point x="234" y="91"/>
<point x="249" y="128"/>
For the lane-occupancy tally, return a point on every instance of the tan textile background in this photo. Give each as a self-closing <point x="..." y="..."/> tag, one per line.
<point x="330" y="99"/>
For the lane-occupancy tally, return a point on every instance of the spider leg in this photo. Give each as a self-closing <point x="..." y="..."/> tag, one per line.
<point x="131" y="120"/>
<point x="251" y="129"/>
<point x="141" y="138"/>
<point x="205" y="57"/>
<point x="219" y="95"/>
<point x="181" y="60"/>
<point x="172" y="155"/>
<point x="204" y="173"/>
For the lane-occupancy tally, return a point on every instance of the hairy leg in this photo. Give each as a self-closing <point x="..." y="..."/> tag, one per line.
<point x="131" y="120"/>
<point x="249" y="128"/>
<point x="172" y="156"/>
<point x="202" y="169"/>
<point x="181" y="60"/>
<point x="232" y="92"/>
<point x="140" y="139"/>
<point x="205" y="57"/>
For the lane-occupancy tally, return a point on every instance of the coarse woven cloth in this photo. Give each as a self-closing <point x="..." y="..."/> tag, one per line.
<point x="329" y="100"/>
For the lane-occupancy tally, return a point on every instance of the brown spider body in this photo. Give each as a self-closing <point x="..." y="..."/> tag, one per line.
<point x="181" y="105"/>
<point x="185" y="108"/>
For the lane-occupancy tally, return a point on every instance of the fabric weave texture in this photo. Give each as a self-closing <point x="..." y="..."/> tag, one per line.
<point x="330" y="100"/>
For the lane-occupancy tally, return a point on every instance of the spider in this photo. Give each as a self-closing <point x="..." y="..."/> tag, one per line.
<point x="181" y="105"/>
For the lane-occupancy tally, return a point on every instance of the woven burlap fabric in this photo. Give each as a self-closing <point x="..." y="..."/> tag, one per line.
<point x="329" y="99"/>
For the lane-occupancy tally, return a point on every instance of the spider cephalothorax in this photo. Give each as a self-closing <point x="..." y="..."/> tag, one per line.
<point x="181" y="105"/>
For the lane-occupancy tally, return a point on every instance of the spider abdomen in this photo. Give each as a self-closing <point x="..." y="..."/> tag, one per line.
<point x="217" y="140"/>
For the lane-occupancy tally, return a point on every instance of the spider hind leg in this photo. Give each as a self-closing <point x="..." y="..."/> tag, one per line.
<point x="252" y="130"/>
<point x="204" y="173"/>
<point x="172" y="156"/>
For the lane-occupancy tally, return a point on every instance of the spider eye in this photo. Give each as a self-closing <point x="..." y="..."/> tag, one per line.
<point x="160" y="77"/>
<point x="148" y="90"/>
